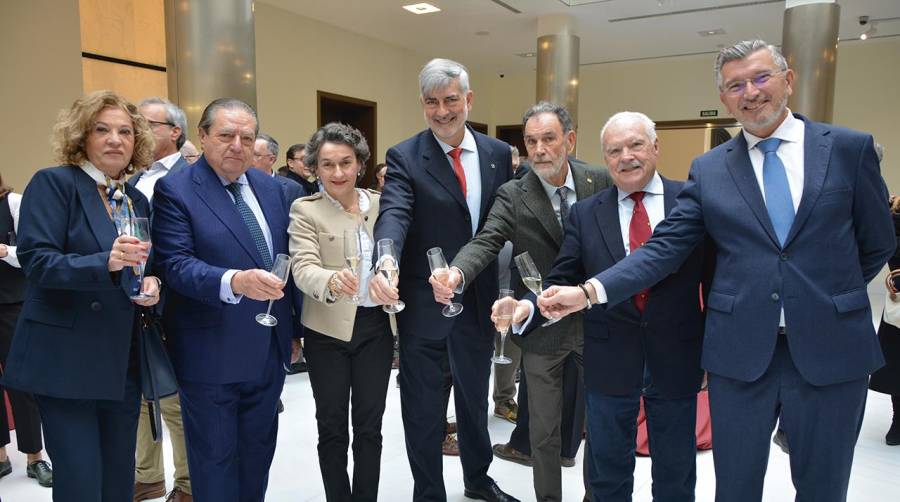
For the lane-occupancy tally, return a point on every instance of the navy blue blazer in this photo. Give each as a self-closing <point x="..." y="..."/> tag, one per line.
<point x="291" y="189"/>
<point x="198" y="235"/>
<point x="74" y="333"/>
<point x="422" y="206"/>
<point x="618" y="340"/>
<point x="841" y="237"/>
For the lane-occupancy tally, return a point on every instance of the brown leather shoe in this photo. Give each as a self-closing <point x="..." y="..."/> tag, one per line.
<point x="176" y="495"/>
<point x="507" y="410"/>
<point x="507" y="452"/>
<point x="148" y="491"/>
<point x="450" y="447"/>
<point x="567" y="462"/>
<point x="451" y="428"/>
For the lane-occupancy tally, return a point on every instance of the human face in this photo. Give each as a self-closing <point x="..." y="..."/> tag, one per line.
<point x="630" y="155"/>
<point x="548" y="148"/>
<point x="262" y="157"/>
<point x="760" y="109"/>
<point x="338" y="168"/>
<point x="110" y="142"/>
<point x="379" y="175"/>
<point x="446" y="111"/>
<point x="189" y="152"/>
<point x="228" y="146"/>
<point x="296" y="164"/>
<point x="165" y="133"/>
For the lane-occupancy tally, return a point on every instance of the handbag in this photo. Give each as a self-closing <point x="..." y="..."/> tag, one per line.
<point x="892" y="300"/>
<point x="157" y="375"/>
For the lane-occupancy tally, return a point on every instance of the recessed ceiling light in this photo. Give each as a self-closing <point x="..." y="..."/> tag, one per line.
<point x="526" y="54"/>
<point x="711" y="33"/>
<point x="482" y="33"/>
<point x="421" y="8"/>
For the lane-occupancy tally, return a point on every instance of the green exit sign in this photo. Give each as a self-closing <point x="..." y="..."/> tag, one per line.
<point x="709" y="113"/>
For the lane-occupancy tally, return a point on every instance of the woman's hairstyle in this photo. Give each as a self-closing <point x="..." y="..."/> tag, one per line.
<point x="341" y="134"/>
<point x="75" y="123"/>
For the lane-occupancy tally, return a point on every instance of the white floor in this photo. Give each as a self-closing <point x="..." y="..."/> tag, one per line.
<point x="295" y="471"/>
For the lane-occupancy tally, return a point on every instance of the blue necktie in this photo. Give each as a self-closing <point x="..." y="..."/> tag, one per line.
<point x="252" y="225"/>
<point x="778" y="193"/>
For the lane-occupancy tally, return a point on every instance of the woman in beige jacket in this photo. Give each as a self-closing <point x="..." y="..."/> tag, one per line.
<point x="348" y="344"/>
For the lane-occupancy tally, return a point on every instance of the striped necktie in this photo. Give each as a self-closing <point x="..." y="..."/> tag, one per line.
<point x="252" y="225"/>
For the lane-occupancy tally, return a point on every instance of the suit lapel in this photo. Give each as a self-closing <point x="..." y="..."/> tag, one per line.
<point x="535" y="199"/>
<point x="102" y="226"/>
<point x="436" y="164"/>
<point x="272" y="209"/>
<point x="738" y="161"/>
<point x="585" y="184"/>
<point x="488" y="172"/>
<point x="816" y="154"/>
<point x="606" y="212"/>
<point x="210" y="190"/>
<point x="670" y="191"/>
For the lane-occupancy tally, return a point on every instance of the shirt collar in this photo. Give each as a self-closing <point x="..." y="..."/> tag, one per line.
<point x="96" y="174"/>
<point x="653" y="187"/>
<point x="168" y="161"/>
<point x="240" y="181"/>
<point x="569" y="183"/>
<point x="467" y="144"/>
<point x="363" y="200"/>
<point x="791" y="129"/>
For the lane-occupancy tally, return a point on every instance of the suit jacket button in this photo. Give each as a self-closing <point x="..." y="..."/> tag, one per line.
<point x="643" y="324"/>
<point x="96" y="306"/>
<point x="775" y="297"/>
<point x="784" y="257"/>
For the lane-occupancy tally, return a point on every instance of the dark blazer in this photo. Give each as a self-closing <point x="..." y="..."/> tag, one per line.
<point x="422" y="206"/>
<point x="841" y="237"/>
<point x="75" y="330"/>
<point x="523" y="215"/>
<point x="178" y="166"/>
<point x="619" y="340"/>
<point x="198" y="235"/>
<point x="291" y="189"/>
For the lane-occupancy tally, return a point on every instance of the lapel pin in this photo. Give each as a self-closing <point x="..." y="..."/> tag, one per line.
<point x="492" y="165"/>
<point x="590" y="180"/>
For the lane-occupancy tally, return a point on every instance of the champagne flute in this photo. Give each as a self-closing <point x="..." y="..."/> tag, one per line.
<point x="505" y="310"/>
<point x="531" y="277"/>
<point x="387" y="261"/>
<point x="353" y="255"/>
<point x="441" y="272"/>
<point x="138" y="227"/>
<point x="280" y="269"/>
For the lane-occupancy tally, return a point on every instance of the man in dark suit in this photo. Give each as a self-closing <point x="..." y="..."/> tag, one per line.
<point x="295" y="169"/>
<point x="798" y="213"/>
<point x="530" y="213"/>
<point x="265" y="153"/>
<point x="648" y="347"/>
<point x="218" y="227"/>
<point x="169" y="127"/>
<point x="439" y="188"/>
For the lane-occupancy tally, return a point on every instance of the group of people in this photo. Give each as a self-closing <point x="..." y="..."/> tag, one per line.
<point x="751" y="274"/>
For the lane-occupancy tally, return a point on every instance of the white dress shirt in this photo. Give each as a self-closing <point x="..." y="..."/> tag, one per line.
<point x="15" y="201"/>
<point x="366" y="247"/>
<point x="571" y="198"/>
<point x="156" y="171"/>
<point x="472" y="168"/>
<point x="225" y="292"/>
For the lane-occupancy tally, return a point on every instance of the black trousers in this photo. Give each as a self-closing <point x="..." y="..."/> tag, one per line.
<point x="24" y="408"/>
<point x="351" y="378"/>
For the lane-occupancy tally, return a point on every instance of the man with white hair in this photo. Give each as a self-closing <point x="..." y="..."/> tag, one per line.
<point x="439" y="188"/>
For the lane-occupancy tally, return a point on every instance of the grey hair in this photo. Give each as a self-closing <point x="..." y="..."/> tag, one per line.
<point x="271" y="144"/>
<point x="565" y="120"/>
<point x="341" y="134"/>
<point x="742" y="50"/>
<point x="440" y="73"/>
<point x="629" y="118"/>
<point x="174" y="115"/>
<point x="514" y="150"/>
<point x="879" y="152"/>
<point x="209" y="113"/>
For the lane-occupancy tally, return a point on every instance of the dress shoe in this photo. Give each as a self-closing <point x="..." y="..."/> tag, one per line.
<point x="280" y="406"/>
<point x="148" y="491"/>
<point x="451" y="428"/>
<point x="893" y="436"/>
<point x="780" y="439"/>
<point x="507" y="452"/>
<point x="491" y="493"/>
<point x="567" y="462"/>
<point x="5" y="467"/>
<point x="507" y="410"/>
<point x="450" y="447"/>
<point x="297" y="367"/>
<point x="176" y="495"/>
<point x="41" y="471"/>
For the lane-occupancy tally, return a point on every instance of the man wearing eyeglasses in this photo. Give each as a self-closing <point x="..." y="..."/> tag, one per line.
<point x="169" y="127"/>
<point x="265" y="153"/>
<point x="799" y="216"/>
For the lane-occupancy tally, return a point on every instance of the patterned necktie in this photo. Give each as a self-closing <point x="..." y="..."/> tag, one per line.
<point x="561" y="192"/>
<point x="252" y="225"/>
<point x="639" y="232"/>
<point x="458" y="168"/>
<point x="778" y="193"/>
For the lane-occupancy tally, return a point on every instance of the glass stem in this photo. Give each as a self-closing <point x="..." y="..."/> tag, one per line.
<point x="268" y="310"/>
<point x="503" y="344"/>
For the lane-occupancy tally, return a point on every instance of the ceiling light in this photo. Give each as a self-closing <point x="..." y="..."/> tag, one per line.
<point x="868" y="33"/>
<point x="421" y="8"/>
<point x="526" y="54"/>
<point x="711" y="33"/>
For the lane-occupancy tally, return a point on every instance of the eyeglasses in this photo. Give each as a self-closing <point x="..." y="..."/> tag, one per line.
<point x="758" y="81"/>
<point x="156" y="123"/>
<point x="262" y="155"/>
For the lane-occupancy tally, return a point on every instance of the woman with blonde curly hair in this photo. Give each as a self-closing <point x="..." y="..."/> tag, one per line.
<point x="75" y="347"/>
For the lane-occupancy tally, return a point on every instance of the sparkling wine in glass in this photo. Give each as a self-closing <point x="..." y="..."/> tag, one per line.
<point x="138" y="227"/>
<point x="353" y="255"/>
<point x="531" y="277"/>
<point x="387" y="266"/>
<point x="505" y="310"/>
<point x="441" y="271"/>
<point x="281" y="268"/>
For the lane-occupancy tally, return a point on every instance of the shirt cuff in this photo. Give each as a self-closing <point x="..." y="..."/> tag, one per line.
<point x="599" y="290"/>
<point x="462" y="283"/>
<point x="519" y="328"/>
<point x="11" y="257"/>
<point x="225" y="292"/>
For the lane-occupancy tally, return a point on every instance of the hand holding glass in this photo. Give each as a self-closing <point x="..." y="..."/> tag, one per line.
<point x="139" y="228"/>
<point x="353" y="256"/>
<point x="387" y="266"/>
<point x="441" y="272"/>
<point x="506" y="307"/>
<point x="280" y="269"/>
<point x="531" y="277"/>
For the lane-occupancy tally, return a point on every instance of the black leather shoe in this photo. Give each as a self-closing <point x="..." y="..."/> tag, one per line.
<point x="893" y="436"/>
<point x="298" y="367"/>
<point x="42" y="472"/>
<point x="780" y="439"/>
<point x="280" y="406"/>
<point x="5" y="467"/>
<point x="491" y="493"/>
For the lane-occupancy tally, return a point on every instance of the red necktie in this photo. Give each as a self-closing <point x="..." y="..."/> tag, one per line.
<point x="639" y="232"/>
<point x="458" y="168"/>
